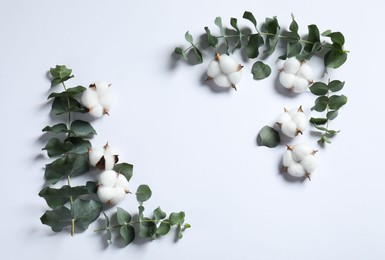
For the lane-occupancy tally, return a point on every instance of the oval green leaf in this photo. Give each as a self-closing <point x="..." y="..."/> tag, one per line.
<point x="143" y="193"/>
<point x="319" y="88"/>
<point x="260" y="70"/>
<point x="268" y="137"/>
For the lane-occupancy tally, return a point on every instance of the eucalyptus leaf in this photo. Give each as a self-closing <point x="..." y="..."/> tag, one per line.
<point x="336" y="85"/>
<point x="188" y="37"/>
<point x="260" y="70"/>
<point x="70" y="92"/>
<point x="294" y="29"/>
<point x="321" y="104"/>
<point x="57" y="218"/>
<point x="222" y="30"/>
<point x="159" y="214"/>
<point x="147" y="228"/>
<point x="318" y="121"/>
<point x="82" y="129"/>
<point x="60" y="74"/>
<point x="312" y="38"/>
<point x="332" y="114"/>
<point x="211" y="40"/>
<point x="336" y="37"/>
<point x="336" y="102"/>
<point x="179" y="51"/>
<point x="55" y="147"/>
<point x="319" y="89"/>
<point x="59" y="197"/>
<point x="58" y="128"/>
<point x="143" y="193"/>
<point x="123" y="216"/>
<point x="272" y="29"/>
<point x="249" y="16"/>
<point x="62" y="105"/>
<point x="79" y="145"/>
<point x="292" y="49"/>
<point x="176" y="218"/>
<point x="125" y="169"/>
<point x="84" y="212"/>
<point x="252" y="48"/>
<point x="163" y="228"/>
<point x="66" y="166"/>
<point x="268" y="137"/>
<point x="127" y="232"/>
<point x="335" y="58"/>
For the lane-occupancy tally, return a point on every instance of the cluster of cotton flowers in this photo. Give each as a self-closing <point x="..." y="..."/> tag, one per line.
<point x="295" y="75"/>
<point x="97" y="99"/>
<point x="299" y="160"/>
<point x="112" y="187"/>
<point x="103" y="158"/>
<point x="292" y="122"/>
<point x="224" y="71"/>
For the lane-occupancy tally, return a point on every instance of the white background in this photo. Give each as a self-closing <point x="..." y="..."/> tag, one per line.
<point x="195" y="147"/>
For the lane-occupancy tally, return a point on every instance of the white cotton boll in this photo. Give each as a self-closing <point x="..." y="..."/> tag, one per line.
<point x="309" y="163"/>
<point x="102" y="88"/>
<point x="300" y="151"/>
<point x="108" y="178"/>
<point x="300" y="85"/>
<point x="107" y="100"/>
<point x="228" y="64"/>
<point x="222" y="81"/>
<point x="286" y="79"/>
<point x="109" y="161"/>
<point x="296" y="170"/>
<point x="213" y="69"/>
<point x="288" y="159"/>
<point x="291" y="65"/>
<point x="96" y="111"/>
<point x="306" y="72"/>
<point x="106" y="194"/>
<point x="89" y="98"/>
<point x="301" y="120"/>
<point x="94" y="155"/>
<point x="121" y="181"/>
<point x="283" y="118"/>
<point x="235" y="77"/>
<point x="289" y="129"/>
<point x="119" y="194"/>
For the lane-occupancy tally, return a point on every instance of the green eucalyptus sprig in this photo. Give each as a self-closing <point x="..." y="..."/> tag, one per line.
<point x="327" y="103"/>
<point x="159" y="225"/>
<point x="269" y="35"/>
<point x="76" y="207"/>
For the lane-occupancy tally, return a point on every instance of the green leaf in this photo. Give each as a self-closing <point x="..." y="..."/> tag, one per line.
<point x="332" y="132"/>
<point x="234" y="24"/>
<point x="79" y="145"/>
<point x="292" y="49"/>
<point x="335" y="58"/>
<point x="62" y="105"/>
<point x="159" y="214"/>
<point x="336" y="102"/>
<point x="163" y="228"/>
<point x="180" y="52"/>
<point x="66" y="166"/>
<point x="324" y="139"/>
<point x="218" y="22"/>
<point x="55" y="147"/>
<point x="59" y="197"/>
<point x="57" y="219"/>
<point x="318" y="121"/>
<point x="147" y="228"/>
<point x="197" y="54"/>
<point x="82" y="129"/>
<point x="60" y="74"/>
<point x="70" y="92"/>
<point x="125" y="169"/>
<point x="188" y="37"/>
<point x="211" y="40"/>
<point x="249" y="16"/>
<point x="294" y="29"/>
<point x="336" y="37"/>
<point x="186" y="226"/>
<point x="321" y="103"/>
<point x="84" y="212"/>
<point x="58" y="128"/>
<point x="143" y="193"/>
<point x="332" y="114"/>
<point x="127" y="232"/>
<point x="319" y="89"/>
<point x="260" y="70"/>
<point x="336" y="85"/>
<point x="252" y="47"/>
<point x="312" y="38"/>
<point x="123" y="216"/>
<point x="176" y="218"/>
<point x="271" y="27"/>
<point x="107" y="225"/>
<point x="268" y="137"/>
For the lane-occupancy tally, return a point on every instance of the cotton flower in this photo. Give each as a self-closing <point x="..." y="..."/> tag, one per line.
<point x="295" y="75"/>
<point x="292" y="122"/>
<point x="224" y="71"/>
<point x="103" y="158"/>
<point x="299" y="160"/>
<point x="97" y="99"/>
<point x="112" y="187"/>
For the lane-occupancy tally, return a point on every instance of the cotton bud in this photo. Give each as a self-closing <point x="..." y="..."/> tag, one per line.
<point x="112" y="187"/>
<point x="97" y="99"/>
<point x="292" y="122"/>
<point x="224" y="71"/>
<point x="299" y="160"/>
<point x="103" y="158"/>
<point x="295" y="75"/>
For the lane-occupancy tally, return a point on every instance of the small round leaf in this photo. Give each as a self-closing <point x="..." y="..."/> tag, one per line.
<point x="319" y="88"/>
<point x="260" y="70"/>
<point x="143" y="193"/>
<point x="321" y="103"/>
<point x="268" y="137"/>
